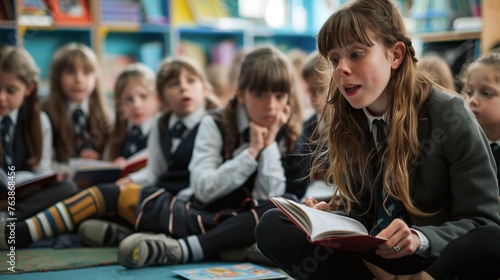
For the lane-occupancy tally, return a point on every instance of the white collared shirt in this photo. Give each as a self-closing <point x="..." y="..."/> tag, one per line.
<point x="157" y="164"/>
<point x="213" y="178"/>
<point x="72" y="106"/>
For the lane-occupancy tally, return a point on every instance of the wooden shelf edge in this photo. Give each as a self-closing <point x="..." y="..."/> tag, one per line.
<point x="446" y="36"/>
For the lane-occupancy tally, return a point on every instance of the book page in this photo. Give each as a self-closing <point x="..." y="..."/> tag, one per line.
<point x="320" y="223"/>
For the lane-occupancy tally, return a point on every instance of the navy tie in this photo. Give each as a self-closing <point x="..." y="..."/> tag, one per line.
<point x="80" y="131"/>
<point x="178" y="130"/>
<point x="381" y="125"/>
<point x="8" y="154"/>
<point x="495" y="148"/>
<point x="137" y="142"/>
<point x="392" y="209"/>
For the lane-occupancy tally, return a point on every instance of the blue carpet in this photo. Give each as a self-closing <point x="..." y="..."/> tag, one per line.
<point x="114" y="272"/>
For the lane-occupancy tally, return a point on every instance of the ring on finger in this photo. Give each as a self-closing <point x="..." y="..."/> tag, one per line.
<point x="397" y="248"/>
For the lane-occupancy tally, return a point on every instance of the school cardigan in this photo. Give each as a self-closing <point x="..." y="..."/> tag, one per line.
<point x="20" y="148"/>
<point x="213" y="177"/>
<point x="157" y="168"/>
<point x="453" y="175"/>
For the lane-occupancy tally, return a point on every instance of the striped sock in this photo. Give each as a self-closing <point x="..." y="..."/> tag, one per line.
<point x="191" y="249"/>
<point x="64" y="216"/>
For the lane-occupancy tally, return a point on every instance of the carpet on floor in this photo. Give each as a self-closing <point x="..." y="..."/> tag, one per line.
<point x="48" y="259"/>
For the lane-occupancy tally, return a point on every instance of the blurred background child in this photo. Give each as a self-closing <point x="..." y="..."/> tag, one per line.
<point x="438" y="70"/>
<point x="136" y="105"/>
<point x="26" y="132"/>
<point x="74" y="88"/>
<point x="482" y="88"/>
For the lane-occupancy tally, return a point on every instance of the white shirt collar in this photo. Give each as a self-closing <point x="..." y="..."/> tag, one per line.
<point x="13" y="117"/>
<point x="371" y="118"/>
<point x="190" y="120"/>
<point x="84" y="105"/>
<point x="491" y="142"/>
<point x="146" y="126"/>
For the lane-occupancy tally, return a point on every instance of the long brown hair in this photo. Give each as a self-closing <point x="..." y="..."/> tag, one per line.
<point x="347" y="127"/>
<point x="119" y="135"/>
<point x="170" y="68"/>
<point x="265" y="69"/>
<point x="19" y="62"/>
<point x="56" y="104"/>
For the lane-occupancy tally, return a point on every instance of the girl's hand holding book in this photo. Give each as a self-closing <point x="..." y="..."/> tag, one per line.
<point x="313" y="203"/>
<point x="401" y="241"/>
<point x="90" y="154"/>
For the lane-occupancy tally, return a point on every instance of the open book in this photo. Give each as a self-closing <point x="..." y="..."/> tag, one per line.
<point x="230" y="271"/>
<point x="25" y="183"/>
<point x="328" y="229"/>
<point x="88" y="172"/>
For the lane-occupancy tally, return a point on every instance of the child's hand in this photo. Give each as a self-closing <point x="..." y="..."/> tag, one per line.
<point x="281" y="119"/>
<point x="313" y="203"/>
<point x="123" y="182"/>
<point x="401" y="241"/>
<point x="120" y="161"/>
<point x="90" y="154"/>
<point x="257" y="139"/>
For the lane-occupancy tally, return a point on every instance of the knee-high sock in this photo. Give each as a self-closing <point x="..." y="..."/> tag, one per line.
<point x="62" y="217"/>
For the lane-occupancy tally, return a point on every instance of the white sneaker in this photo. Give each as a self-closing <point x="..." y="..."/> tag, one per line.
<point x="143" y="249"/>
<point x="99" y="233"/>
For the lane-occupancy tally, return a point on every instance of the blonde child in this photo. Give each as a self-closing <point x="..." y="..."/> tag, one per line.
<point x="26" y="146"/>
<point x="136" y="105"/>
<point x="75" y="105"/>
<point x="438" y="70"/>
<point x="482" y="88"/>
<point x="315" y="75"/>
<point x="183" y="87"/>
<point x="241" y="158"/>
<point x="408" y="160"/>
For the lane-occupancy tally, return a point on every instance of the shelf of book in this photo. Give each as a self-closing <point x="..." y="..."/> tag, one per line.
<point x="446" y="36"/>
<point x="148" y="30"/>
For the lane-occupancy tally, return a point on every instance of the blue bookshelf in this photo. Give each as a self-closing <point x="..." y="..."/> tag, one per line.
<point x="41" y="44"/>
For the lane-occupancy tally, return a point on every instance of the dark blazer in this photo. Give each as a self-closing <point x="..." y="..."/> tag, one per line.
<point x="454" y="174"/>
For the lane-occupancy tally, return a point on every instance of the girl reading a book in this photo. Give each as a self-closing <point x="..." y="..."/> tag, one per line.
<point x="183" y="87"/>
<point x="75" y="104"/>
<point x="241" y="157"/>
<point x="409" y="160"/>
<point x="26" y="146"/>
<point x="136" y="105"/>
